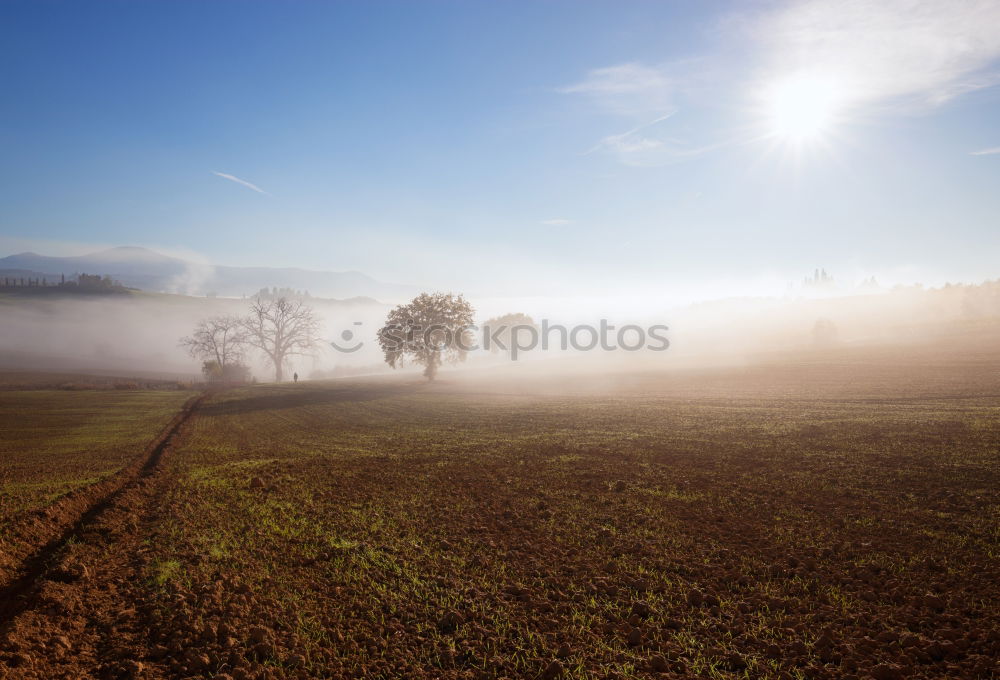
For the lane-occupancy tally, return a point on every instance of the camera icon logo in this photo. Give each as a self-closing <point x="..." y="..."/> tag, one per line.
<point x="346" y="336"/>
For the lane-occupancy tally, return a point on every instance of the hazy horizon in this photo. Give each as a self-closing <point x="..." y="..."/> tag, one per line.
<point x="673" y="294"/>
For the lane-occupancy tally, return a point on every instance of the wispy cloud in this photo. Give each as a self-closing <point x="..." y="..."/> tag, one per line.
<point x="985" y="152"/>
<point x="643" y="96"/>
<point x="648" y="145"/>
<point x="902" y="52"/>
<point x="556" y="222"/>
<point x="634" y="146"/>
<point x="632" y="89"/>
<point x="249" y="185"/>
<point x="884" y="56"/>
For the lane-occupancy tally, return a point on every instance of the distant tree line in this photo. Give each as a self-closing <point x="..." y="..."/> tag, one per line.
<point x="275" y="293"/>
<point x="820" y="279"/>
<point x="77" y="282"/>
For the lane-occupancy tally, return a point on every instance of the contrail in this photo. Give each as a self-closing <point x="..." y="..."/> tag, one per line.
<point x="241" y="181"/>
<point x="623" y="135"/>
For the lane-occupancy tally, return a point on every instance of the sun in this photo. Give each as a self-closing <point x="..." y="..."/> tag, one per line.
<point x="802" y="108"/>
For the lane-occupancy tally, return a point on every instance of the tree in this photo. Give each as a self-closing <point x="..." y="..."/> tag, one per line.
<point x="433" y="328"/>
<point x="281" y="328"/>
<point x="230" y="373"/>
<point x="221" y="342"/>
<point x="502" y="331"/>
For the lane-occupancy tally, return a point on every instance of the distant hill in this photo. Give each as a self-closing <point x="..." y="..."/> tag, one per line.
<point x="148" y="270"/>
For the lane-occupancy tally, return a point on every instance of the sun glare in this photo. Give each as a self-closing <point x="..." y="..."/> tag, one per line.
<point x="803" y="108"/>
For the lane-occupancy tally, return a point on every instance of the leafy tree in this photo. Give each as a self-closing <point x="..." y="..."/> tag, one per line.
<point x="281" y="328"/>
<point x="502" y="331"/>
<point x="433" y="328"/>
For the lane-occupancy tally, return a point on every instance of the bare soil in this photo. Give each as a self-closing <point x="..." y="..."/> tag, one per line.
<point x="392" y="529"/>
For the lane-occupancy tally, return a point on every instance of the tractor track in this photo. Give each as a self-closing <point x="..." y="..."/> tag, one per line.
<point x="45" y="534"/>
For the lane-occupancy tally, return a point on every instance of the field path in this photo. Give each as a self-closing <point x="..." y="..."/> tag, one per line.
<point x="66" y="549"/>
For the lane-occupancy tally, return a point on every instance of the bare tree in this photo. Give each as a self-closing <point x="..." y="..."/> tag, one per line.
<point x="281" y="328"/>
<point x="220" y="341"/>
<point x="432" y="328"/>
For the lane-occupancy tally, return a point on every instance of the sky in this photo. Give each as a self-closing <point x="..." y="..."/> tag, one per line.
<point x="512" y="147"/>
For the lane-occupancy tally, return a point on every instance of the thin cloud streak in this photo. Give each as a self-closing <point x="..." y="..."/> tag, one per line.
<point x="632" y="90"/>
<point x="637" y="148"/>
<point x="245" y="183"/>
<point x="644" y="96"/>
<point x="985" y="152"/>
<point x="616" y="140"/>
<point x="557" y="222"/>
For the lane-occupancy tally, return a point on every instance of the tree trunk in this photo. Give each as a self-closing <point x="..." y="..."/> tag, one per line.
<point x="430" y="371"/>
<point x="278" y="372"/>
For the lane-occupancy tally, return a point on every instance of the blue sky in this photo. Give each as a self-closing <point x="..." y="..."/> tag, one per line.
<point x="512" y="147"/>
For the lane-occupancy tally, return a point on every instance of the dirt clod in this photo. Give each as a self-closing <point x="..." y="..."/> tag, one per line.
<point x="658" y="664"/>
<point x="450" y="621"/>
<point x="553" y="670"/>
<point x="887" y="671"/>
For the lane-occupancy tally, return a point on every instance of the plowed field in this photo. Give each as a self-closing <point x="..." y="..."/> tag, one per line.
<point x="719" y="526"/>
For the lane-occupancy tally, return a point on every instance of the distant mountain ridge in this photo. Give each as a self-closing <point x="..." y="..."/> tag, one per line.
<point x="149" y="270"/>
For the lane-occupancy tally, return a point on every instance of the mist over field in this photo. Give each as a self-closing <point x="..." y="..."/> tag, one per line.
<point x="135" y="333"/>
<point x="138" y="333"/>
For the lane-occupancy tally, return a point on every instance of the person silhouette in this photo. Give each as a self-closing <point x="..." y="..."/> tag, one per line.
<point x="295" y="377"/>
